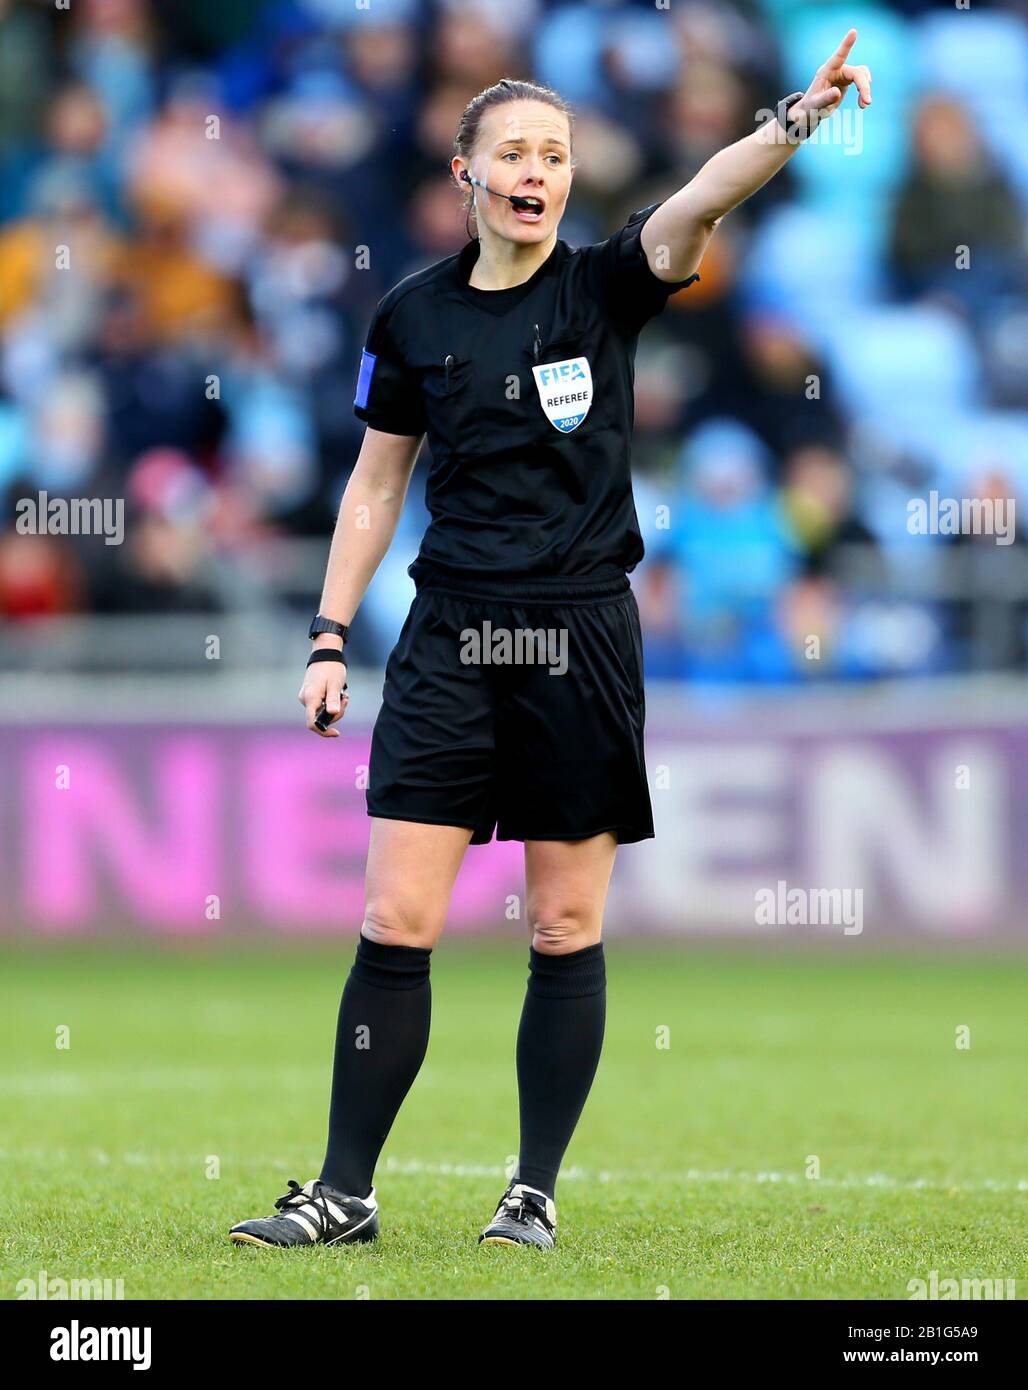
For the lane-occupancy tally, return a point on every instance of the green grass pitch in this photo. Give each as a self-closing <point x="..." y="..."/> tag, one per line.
<point x="687" y="1178"/>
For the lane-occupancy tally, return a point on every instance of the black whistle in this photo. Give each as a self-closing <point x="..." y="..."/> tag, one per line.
<point x="323" y="720"/>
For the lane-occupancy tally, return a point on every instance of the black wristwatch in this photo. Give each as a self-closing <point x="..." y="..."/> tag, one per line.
<point x="801" y="129"/>
<point x="320" y="625"/>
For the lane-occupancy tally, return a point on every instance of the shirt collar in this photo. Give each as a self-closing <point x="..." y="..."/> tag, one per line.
<point x="469" y="255"/>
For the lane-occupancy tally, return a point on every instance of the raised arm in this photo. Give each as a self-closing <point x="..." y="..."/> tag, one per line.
<point x="676" y="234"/>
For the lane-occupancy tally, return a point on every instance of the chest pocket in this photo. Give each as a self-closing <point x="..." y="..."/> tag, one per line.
<point x="569" y="388"/>
<point x="451" y="406"/>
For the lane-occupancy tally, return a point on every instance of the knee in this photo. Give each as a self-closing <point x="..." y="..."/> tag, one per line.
<point x="393" y="920"/>
<point x="560" y="926"/>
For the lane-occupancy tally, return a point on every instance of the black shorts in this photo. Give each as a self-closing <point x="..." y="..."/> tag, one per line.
<point x="537" y="733"/>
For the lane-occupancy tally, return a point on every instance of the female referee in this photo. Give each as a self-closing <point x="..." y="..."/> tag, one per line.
<point x="513" y="699"/>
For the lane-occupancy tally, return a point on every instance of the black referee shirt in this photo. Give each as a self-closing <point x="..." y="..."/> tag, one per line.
<point x="526" y="397"/>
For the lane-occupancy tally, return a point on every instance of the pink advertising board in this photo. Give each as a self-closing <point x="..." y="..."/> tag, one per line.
<point x="214" y="830"/>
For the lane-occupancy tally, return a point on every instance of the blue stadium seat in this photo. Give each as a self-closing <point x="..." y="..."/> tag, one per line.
<point x="982" y="57"/>
<point x="567" y="55"/>
<point x="864" y="152"/>
<point x="910" y="372"/>
<point x="984" y="441"/>
<point x="813" y="264"/>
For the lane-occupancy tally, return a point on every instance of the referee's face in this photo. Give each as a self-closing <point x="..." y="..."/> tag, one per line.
<point x="523" y="147"/>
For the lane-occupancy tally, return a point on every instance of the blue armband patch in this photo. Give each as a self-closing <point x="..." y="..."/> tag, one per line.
<point x="368" y="360"/>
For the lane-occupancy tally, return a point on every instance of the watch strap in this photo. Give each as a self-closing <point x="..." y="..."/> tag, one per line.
<point x="798" y="130"/>
<point x="321" y="625"/>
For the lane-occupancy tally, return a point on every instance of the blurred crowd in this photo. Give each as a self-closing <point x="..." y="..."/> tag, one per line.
<point x="200" y="205"/>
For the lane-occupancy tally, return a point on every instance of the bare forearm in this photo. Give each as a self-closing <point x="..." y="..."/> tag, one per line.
<point x="683" y="224"/>
<point x="676" y="234"/>
<point x="729" y="177"/>
<point x="368" y="516"/>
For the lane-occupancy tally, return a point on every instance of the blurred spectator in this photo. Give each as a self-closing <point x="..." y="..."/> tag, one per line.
<point x="182" y="295"/>
<point x="818" y="503"/>
<point x="38" y="578"/>
<point x="765" y="373"/>
<point x="955" y="197"/>
<point x="988" y="610"/>
<point x="201" y="204"/>
<point x="204" y="175"/>
<point x="731" y="546"/>
<point x="166" y="562"/>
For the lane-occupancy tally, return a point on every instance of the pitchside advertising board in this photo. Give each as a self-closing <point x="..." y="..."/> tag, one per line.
<point x="216" y="830"/>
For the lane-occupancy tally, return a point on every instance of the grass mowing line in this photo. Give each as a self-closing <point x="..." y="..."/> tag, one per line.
<point x="173" y="1076"/>
<point x="573" y="1173"/>
<point x="727" y="1175"/>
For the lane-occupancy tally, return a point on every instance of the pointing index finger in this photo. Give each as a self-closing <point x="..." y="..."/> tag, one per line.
<point x="842" y="52"/>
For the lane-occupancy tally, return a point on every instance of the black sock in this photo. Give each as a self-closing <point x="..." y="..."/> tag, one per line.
<point x="559" y="1042"/>
<point x="381" y="1040"/>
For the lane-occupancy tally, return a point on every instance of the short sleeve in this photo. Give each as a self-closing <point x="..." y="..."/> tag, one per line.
<point x="632" y="292"/>
<point x="388" y="395"/>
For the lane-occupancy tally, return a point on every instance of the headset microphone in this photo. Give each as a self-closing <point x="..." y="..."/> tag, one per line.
<point x="522" y="204"/>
